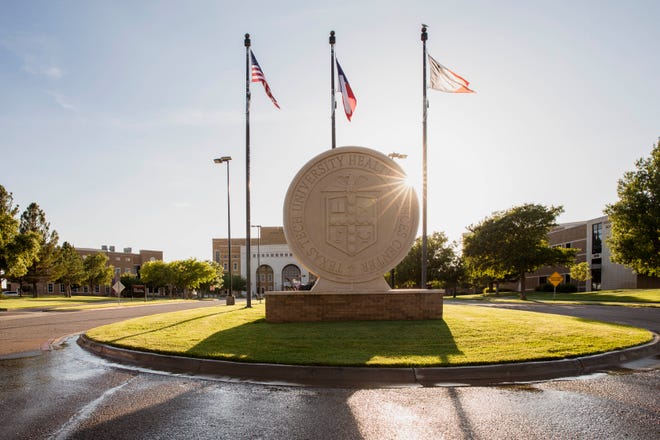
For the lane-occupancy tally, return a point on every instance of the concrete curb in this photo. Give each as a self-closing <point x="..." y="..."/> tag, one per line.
<point x="365" y="377"/>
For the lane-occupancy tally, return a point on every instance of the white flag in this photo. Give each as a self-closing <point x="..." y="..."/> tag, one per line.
<point x="445" y="80"/>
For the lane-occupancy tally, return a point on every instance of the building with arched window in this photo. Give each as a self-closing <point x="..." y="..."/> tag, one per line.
<point x="272" y="263"/>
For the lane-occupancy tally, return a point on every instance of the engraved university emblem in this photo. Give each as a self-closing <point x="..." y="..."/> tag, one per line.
<point x="351" y="215"/>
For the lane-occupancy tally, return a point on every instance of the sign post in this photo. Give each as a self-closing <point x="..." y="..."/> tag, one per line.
<point x="118" y="287"/>
<point x="555" y="279"/>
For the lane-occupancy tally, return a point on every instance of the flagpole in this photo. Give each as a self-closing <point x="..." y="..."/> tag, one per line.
<point x="424" y="164"/>
<point x="333" y="104"/>
<point x="248" y="254"/>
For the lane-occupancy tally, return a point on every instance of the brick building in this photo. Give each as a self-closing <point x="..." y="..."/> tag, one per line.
<point x="590" y="237"/>
<point x="125" y="261"/>
<point x="272" y="263"/>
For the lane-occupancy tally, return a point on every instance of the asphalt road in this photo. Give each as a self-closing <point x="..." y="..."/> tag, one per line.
<point x="68" y="393"/>
<point x="32" y="331"/>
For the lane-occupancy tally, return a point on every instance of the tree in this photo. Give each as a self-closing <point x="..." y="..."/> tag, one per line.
<point x="217" y="282"/>
<point x="580" y="271"/>
<point x="157" y="274"/>
<point x="42" y="269"/>
<point x="17" y="250"/>
<point x="454" y="273"/>
<point x="190" y="274"/>
<point x="439" y="256"/>
<point x="635" y="218"/>
<point x="513" y="242"/>
<point x="238" y="283"/>
<point x="69" y="267"/>
<point x="97" y="271"/>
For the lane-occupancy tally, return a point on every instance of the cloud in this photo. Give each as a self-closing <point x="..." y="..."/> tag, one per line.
<point x="53" y="72"/>
<point x="62" y="101"/>
<point x="36" y="54"/>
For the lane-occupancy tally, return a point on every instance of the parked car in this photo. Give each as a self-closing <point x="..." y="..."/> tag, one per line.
<point x="10" y="293"/>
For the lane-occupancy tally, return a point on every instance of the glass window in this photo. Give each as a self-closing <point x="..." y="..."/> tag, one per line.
<point x="62" y="288"/>
<point x="235" y="266"/>
<point x="596" y="238"/>
<point x="225" y="266"/>
<point x="50" y="287"/>
<point x="97" y="288"/>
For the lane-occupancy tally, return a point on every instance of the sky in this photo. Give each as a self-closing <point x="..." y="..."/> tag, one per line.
<point x="111" y="113"/>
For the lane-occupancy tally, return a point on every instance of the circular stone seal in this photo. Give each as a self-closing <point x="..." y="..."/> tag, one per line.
<point x="349" y="217"/>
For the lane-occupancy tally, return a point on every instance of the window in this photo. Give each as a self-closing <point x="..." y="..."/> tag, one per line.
<point x="235" y="266"/>
<point x="217" y="256"/>
<point x="127" y="270"/>
<point x="225" y="266"/>
<point x="128" y="259"/>
<point x="117" y="272"/>
<point x="107" y="290"/>
<point x="543" y="280"/>
<point x="595" y="279"/>
<point x="596" y="238"/>
<point x="568" y="245"/>
<point x="62" y="288"/>
<point x="567" y="278"/>
<point x="97" y="288"/>
<point x="50" y="287"/>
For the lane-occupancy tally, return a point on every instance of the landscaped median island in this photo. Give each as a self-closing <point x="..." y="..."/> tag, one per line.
<point x="466" y="336"/>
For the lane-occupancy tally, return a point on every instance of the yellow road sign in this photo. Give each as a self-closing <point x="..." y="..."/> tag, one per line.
<point x="555" y="279"/>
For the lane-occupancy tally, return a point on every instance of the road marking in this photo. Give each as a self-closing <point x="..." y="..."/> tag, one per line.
<point x="70" y="427"/>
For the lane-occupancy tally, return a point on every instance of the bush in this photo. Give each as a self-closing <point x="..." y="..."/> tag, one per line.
<point x="561" y="288"/>
<point x="502" y="290"/>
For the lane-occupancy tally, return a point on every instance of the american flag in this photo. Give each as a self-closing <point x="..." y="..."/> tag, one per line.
<point x="258" y="76"/>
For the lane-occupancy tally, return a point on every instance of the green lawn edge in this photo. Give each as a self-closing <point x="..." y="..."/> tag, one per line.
<point x="619" y="297"/>
<point x="465" y="336"/>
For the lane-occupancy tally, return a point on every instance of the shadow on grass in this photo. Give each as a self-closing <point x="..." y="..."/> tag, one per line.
<point x="346" y="343"/>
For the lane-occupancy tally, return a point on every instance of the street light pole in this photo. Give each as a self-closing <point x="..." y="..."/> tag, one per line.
<point x="395" y="156"/>
<point x="258" y="262"/>
<point x="230" y="296"/>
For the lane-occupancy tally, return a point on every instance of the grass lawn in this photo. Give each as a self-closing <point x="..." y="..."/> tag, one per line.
<point x="466" y="336"/>
<point x="56" y="302"/>
<point x="632" y="297"/>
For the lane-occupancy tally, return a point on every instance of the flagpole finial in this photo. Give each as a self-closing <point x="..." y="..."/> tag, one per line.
<point x="332" y="37"/>
<point x="425" y="36"/>
<point x="247" y="40"/>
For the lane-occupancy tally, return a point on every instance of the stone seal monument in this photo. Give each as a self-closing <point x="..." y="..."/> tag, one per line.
<point x="350" y="217"/>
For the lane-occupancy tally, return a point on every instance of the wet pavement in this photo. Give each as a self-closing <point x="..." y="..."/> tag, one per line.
<point x="71" y="394"/>
<point x="68" y="393"/>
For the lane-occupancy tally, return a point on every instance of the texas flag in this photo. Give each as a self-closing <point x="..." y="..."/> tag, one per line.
<point x="347" y="95"/>
<point x="445" y="80"/>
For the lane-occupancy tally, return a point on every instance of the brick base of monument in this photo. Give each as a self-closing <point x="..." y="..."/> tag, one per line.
<point x="305" y="306"/>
